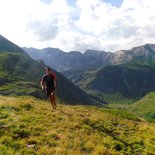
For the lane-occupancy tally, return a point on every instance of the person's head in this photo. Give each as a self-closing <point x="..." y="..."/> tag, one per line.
<point x="48" y="70"/>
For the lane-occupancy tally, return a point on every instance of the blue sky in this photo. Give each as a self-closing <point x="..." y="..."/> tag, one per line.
<point x="71" y="2"/>
<point x="79" y="25"/>
<point x="116" y="3"/>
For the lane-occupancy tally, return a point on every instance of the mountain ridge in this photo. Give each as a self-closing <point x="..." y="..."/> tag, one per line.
<point x="90" y="59"/>
<point x="84" y="69"/>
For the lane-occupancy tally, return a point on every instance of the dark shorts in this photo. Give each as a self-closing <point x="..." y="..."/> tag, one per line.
<point x="49" y="90"/>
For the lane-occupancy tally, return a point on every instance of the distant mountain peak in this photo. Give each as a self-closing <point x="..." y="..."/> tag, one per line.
<point x="94" y="51"/>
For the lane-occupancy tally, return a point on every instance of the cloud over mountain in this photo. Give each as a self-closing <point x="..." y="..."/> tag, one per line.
<point x="93" y="24"/>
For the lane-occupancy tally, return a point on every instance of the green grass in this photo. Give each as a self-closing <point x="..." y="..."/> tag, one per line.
<point x="16" y="73"/>
<point x="28" y="126"/>
<point x="145" y="107"/>
<point x="117" y="98"/>
<point x="21" y="88"/>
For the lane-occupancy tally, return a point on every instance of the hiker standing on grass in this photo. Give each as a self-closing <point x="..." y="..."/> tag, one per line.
<point x="49" y="84"/>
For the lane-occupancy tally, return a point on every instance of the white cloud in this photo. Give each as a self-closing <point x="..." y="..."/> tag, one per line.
<point x="90" y="24"/>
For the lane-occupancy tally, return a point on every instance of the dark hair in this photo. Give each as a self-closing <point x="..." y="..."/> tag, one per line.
<point x="48" y="68"/>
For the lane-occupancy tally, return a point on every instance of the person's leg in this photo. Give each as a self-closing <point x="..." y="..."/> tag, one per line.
<point x="49" y="91"/>
<point x="52" y="97"/>
<point x="54" y="100"/>
<point x="51" y="100"/>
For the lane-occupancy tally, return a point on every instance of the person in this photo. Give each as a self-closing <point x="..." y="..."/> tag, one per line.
<point x="49" y="84"/>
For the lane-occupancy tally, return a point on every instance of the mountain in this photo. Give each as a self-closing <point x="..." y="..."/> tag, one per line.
<point x="125" y="73"/>
<point x="91" y="59"/>
<point x="8" y="46"/>
<point x="20" y="75"/>
<point x="63" y="61"/>
<point x="29" y="126"/>
<point x="146" y="51"/>
<point x="130" y="80"/>
<point x="18" y="72"/>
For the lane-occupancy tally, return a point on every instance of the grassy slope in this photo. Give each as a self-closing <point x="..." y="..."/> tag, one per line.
<point x="19" y="75"/>
<point x="28" y="126"/>
<point x="145" y="107"/>
<point x="8" y="46"/>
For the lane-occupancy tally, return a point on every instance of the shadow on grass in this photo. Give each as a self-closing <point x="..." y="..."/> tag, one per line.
<point x="67" y="114"/>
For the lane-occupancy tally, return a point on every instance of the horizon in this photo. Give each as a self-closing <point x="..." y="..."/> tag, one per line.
<point x="78" y="51"/>
<point x="91" y="49"/>
<point x="77" y="25"/>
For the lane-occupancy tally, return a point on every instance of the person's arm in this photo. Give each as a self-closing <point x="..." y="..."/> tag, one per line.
<point x="55" y="81"/>
<point x="42" y="83"/>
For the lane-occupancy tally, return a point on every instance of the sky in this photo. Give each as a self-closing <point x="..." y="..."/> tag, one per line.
<point x="78" y="25"/>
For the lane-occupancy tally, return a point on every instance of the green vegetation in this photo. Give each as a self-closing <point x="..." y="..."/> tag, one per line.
<point x="8" y="46"/>
<point x="28" y="126"/>
<point x="117" y="99"/>
<point x="118" y="83"/>
<point x="143" y="60"/>
<point x="145" y="107"/>
<point x="19" y="75"/>
<point x="129" y="81"/>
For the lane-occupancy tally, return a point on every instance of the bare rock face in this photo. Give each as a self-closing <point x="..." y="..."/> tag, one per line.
<point x="125" y="56"/>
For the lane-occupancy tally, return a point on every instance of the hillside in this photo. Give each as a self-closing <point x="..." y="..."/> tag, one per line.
<point x="20" y="75"/>
<point x="145" y="107"/>
<point x="125" y="74"/>
<point x="130" y="80"/>
<point x="28" y="126"/>
<point x="8" y="46"/>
